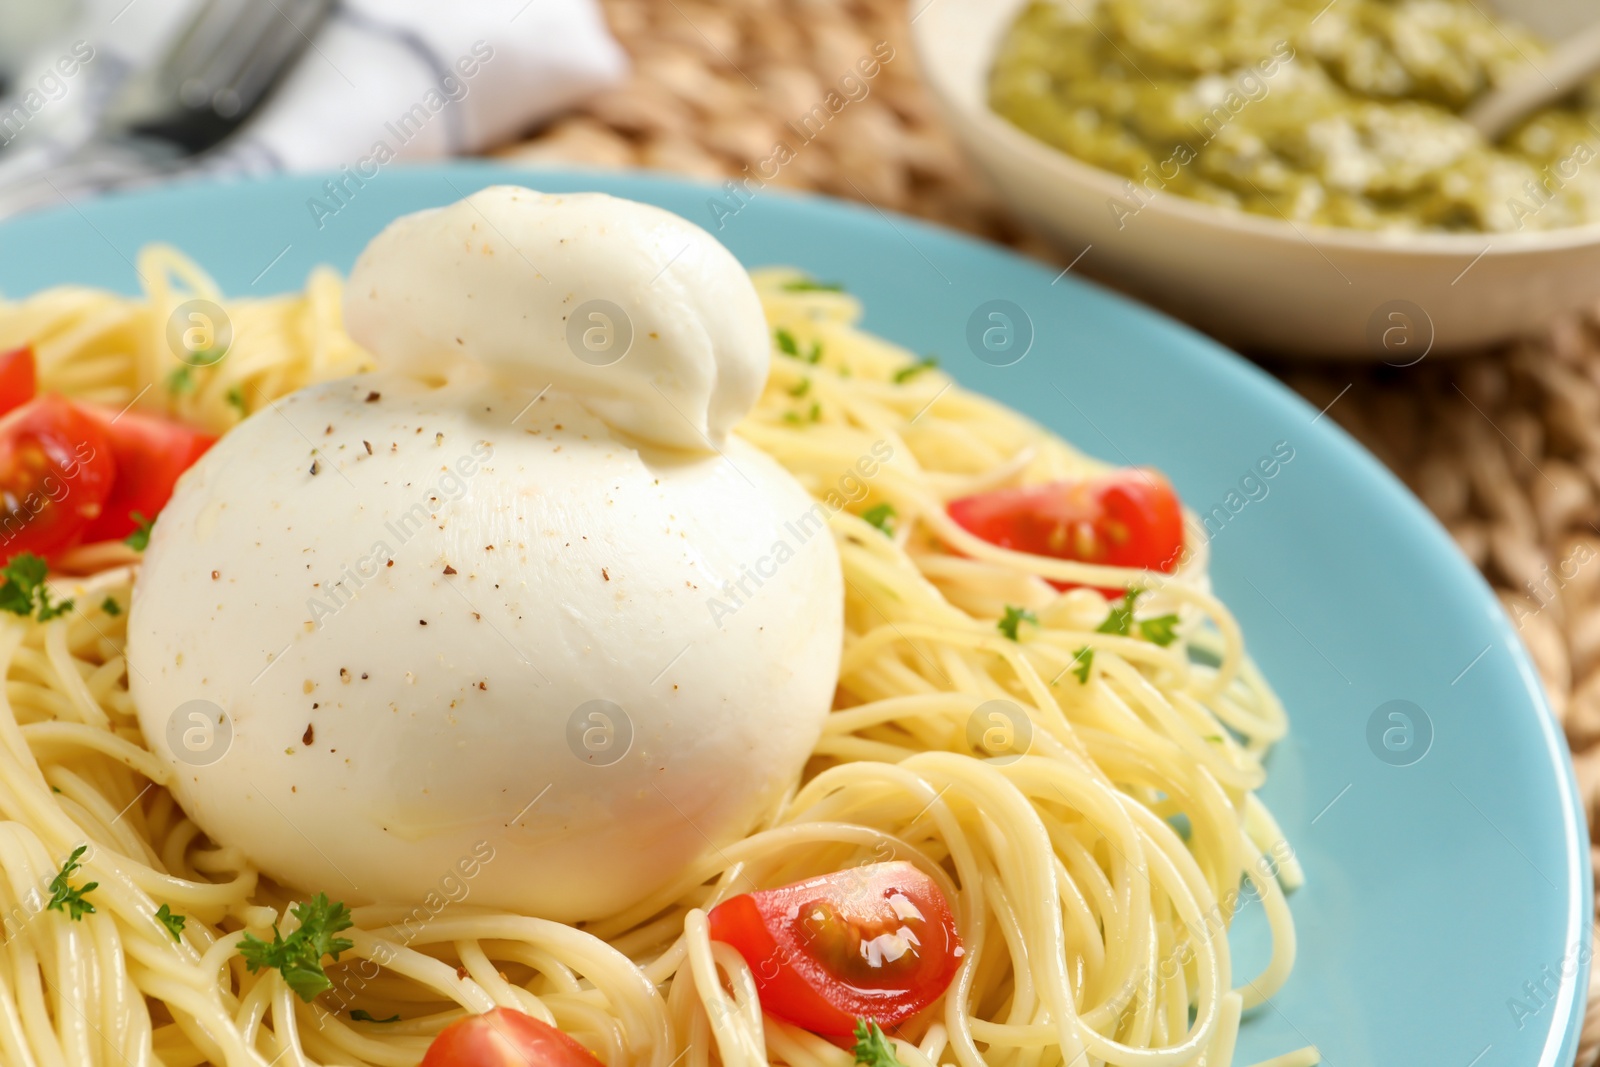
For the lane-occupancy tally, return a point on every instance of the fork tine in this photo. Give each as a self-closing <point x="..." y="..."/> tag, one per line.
<point x="215" y="48"/>
<point x="206" y="34"/>
<point x="251" y="80"/>
<point x="172" y="112"/>
<point x="221" y="67"/>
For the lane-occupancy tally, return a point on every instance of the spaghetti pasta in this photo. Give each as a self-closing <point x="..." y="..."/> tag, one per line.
<point x="1085" y="799"/>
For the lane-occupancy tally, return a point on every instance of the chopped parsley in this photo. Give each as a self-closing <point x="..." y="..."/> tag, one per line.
<point x="63" y="897"/>
<point x="802" y="389"/>
<point x="812" y="415"/>
<point x="361" y="1015"/>
<point x="882" y="516"/>
<point x="235" y="399"/>
<point x="298" y="957"/>
<point x="1159" y="630"/>
<point x="790" y="347"/>
<point x="905" y="374"/>
<point x="1119" y="621"/>
<point x="139" y="540"/>
<point x="181" y="380"/>
<point x="872" y="1049"/>
<point x="110" y="606"/>
<point x="173" y="923"/>
<point x="1120" y="618"/>
<point x="24" y="591"/>
<point x="808" y="285"/>
<point x="1013" y="618"/>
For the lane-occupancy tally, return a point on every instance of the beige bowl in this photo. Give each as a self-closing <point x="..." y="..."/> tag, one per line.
<point x="1252" y="280"/>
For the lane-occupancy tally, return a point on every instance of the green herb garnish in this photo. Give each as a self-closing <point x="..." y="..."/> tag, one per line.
<point x="298" y="957"/>
<point x="361" y="1015"/>
<point x="1084" y="657"/>
<point x="1159" y="630"/>
<point x="905" y="374"/>
<point x="181" y="380"/>
<point x="139" y="540"/>
<point x="882" y="516"/>
<point x="63" y="897"/>
<point x="24" y="591"/>
<point x="235" y="399"/>
<point x="872" y="1048"/>
<point x="790" y="347"/>
<point x="807" y="285"/>
<point x="110" y="606"/>
<point x="813" y="414"/>
<point x="1015" y="616"/>
<point x="1120" y="619"/>
<point x="802" y="389"/>
<point x="173" y="923"/>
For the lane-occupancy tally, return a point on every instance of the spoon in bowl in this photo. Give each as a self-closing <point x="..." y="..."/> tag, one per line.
<point x="1563" y="70"/>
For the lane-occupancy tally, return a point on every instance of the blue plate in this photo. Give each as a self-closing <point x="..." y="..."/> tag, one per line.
<point x="1425" y="785"/>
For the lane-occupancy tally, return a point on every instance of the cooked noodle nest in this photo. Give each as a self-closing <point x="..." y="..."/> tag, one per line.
<point x="1095" y="826"/>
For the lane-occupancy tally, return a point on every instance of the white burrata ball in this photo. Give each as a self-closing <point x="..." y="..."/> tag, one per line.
<point x="468" y="616"/>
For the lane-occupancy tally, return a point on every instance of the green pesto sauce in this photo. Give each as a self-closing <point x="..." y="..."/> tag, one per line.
<point x="1345" y="118"/>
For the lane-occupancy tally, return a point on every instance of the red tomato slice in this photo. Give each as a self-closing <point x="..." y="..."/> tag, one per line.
<point x="505" y="1038"/>
<point x="56" y="473"/>
<point x="876" y="942"/>
<point x="150" y="453"/>
<point x="17" y="378"/>
<point x="1127" y="518"/>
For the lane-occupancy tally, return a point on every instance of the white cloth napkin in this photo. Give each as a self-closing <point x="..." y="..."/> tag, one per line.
<point x="420" y="79"/>
<point x="380" y="80"/>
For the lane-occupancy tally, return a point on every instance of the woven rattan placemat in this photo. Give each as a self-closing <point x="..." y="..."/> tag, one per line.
<point x="1504" y="447"/>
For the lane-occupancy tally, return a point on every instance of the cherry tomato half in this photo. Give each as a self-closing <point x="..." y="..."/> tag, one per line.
<point x="1126" y="518"/>
<point x="150" y="453"/>
<point x="505" y="1038"/>
<point x="56" y="471"/>
<point x="18" y="381"/>
<point x="876" y="941"/>
<point x="72" y="472"/>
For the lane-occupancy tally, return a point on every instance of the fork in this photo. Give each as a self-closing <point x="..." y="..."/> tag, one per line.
<point x="214" y="77"/>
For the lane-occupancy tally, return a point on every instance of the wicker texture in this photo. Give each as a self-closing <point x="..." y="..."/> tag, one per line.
<point x="1504" y="447"/>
